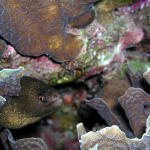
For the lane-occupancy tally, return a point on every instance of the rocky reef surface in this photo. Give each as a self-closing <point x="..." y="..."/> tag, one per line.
<point x="93" y="60"/>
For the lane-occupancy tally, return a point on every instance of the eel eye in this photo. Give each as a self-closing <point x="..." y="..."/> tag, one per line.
<point x="42" y="98"/>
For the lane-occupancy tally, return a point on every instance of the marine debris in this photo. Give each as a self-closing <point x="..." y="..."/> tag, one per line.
<point x="112" y="138"/>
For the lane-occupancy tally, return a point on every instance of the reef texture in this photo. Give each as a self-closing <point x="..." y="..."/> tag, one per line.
<point x="2" y="101"/>
<point x="109" y="5"/>
<point x="41" y="67"/>
<point x="3" y="47"/>
<point x="112" y="138"/>
<point x="104" y="43"/>
<point x="110" y="43"/>
<point x="135" y="78"/>
<point x="123" y="98"/>
<point x="10" y="81"/>
<point x="23" y="144"/>
<point x="133" y="102"/>
<point x="38" y="27"/>
<point x="146" y="75"/>
<point x="108" y="115"/>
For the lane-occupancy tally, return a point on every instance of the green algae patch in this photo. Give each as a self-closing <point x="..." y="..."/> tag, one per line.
<point x="109" y="5"/>
<point x="138" y="65"/>
<point x="134" y="65"/>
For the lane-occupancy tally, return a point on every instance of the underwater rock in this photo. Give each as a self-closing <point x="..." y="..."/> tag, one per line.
<point x="10" y="81"/>
<point x="37" y="27"/>
<point x="135" y="102"/>
<point x="36" y="99"/>
<point x="112" y="138"/>
<point x="23" y="144"/>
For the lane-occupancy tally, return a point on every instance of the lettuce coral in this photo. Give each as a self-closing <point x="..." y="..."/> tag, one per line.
<point x="112" y="138"/>
<point x="23" y="144"/>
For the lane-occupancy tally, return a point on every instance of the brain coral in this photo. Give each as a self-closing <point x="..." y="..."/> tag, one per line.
<point x="37" y="27"/>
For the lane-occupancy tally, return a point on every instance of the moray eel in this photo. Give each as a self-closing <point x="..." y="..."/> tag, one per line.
<point x="36" y="100"/>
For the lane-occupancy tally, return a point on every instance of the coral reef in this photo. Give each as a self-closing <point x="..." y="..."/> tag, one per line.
<point x="135" y="6"/>
<point x="146" y="75"/>
<point x="2" y="47"/>
<point x="10" y="81"/>
<point x="2" y="101"/>
<point x="133" y="102"/>
<point x="105" y="40"/>
<point x="112" y="138"/>
<point x="89" y="55"/>
<point x="117" y="102"/>
<point x="22" y="144"/>
<point x="38" y="27"/>
<point x="42" y="67"/>
<point x="107" y="6"/>
<point x="108" y="115"/>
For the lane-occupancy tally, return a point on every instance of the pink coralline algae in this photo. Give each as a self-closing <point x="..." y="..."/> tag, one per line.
<point x="103" y="50"/>
<point x="9" y="52"/>
<point x="140" y="4"/>
<point x="132" y="37"/>
<point x="37" y="67"/>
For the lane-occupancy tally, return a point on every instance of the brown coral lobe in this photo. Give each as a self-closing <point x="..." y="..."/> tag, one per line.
<point x="37" y="27"/>
<point x="133" y="102"/>
<point x="2" y="47"/>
